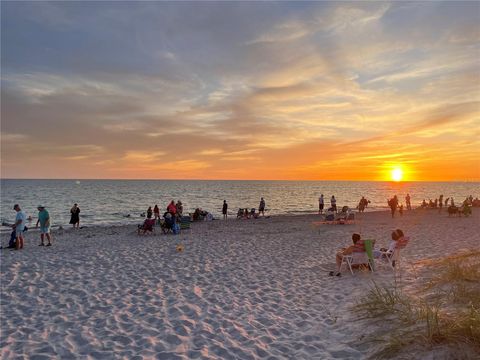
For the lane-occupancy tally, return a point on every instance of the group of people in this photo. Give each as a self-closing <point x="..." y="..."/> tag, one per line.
<point x="359" y="246"/>
<point x="174" y="212"/>
<point x="19" y="227"/>
<point x="321" y="204"/>
<point x="362" y="204"/>
<point x="172" y="208"/>
<point x="244" y="213"/>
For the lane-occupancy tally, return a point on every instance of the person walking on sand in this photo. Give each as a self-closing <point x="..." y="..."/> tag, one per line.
<point x="333" y="202"/>
<point x="440" y="203"/>
<point x="75" y="216"/>
<point x="224" y="209"/>
<point x="407" y="202"/>
<point x="44" y="221"/>
<point x="261" y="207"/>
<point x="321" y="204"/>
<point x="19" y="226"/>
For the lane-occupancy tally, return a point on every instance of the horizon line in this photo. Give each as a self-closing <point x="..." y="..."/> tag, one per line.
<point x="179" y="179"/>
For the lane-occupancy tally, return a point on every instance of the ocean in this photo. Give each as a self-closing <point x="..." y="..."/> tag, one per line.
<point x="104" y="202"/>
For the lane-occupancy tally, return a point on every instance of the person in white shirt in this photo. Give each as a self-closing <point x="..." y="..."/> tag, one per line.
<point x="19" y="226"/>
<point x="321" y="204"/>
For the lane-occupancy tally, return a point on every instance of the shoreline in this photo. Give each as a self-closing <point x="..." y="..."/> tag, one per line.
<point x="136" y="221"/>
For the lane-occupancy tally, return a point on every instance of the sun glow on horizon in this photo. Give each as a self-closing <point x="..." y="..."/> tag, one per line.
<point x="397" y="174"/>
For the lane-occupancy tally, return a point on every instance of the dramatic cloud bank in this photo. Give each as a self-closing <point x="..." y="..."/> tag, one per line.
<point x="227" y="90"/>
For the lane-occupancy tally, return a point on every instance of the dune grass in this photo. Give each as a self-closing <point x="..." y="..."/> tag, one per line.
<point x="444" y="312"/>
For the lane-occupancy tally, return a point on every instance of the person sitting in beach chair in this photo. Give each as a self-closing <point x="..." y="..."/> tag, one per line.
<point x="240" y="213"/>
<point x="147" y="226"/>
<point x="341" y="256"/>
<point x="253" y="214"/>
<point x="342" y="215"/>
<point x="243" y="214"/>
<point x="391" y="255"/>
<point x="330" y="215"/>
<point x="168" y="222"/>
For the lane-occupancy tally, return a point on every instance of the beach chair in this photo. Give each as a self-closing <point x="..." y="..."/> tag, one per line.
<point x="393" y="258"/>
<point x="148" y="226"/>
<point x="360" y="257"/>
<point x="185" y="223"/>
<point x="240" y="214"/>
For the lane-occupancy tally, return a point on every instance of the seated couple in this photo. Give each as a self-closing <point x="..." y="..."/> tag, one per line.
<point x="359" y="246"/>
<point x="245" y="214"/>
<point x="343" y="216"/>
<point x="201" y="215"/>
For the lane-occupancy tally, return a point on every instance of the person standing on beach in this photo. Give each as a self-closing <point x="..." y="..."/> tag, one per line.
<point x="407" y="202"/>
<point x="224" y="209"/>
<point x="171" y="208"/>
<point x="156" y="212"/>
<point x="75" y="216"/>
<point x="19" y="226"/>
<point x="362" y="204"/>
<point x="333" y="202"/>
<point x="261" y="207"/>
<point x="321" y="204"/>
<point x="179" y="208"/>
<point x="440" y="203"/>
<point x="44" y="220"/>
<point x="393" y="204"/>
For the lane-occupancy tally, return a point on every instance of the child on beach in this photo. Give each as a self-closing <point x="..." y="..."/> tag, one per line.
<point x="358" y="246"/>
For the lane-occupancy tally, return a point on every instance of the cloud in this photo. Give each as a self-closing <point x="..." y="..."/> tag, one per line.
<point x="283" y="90"/>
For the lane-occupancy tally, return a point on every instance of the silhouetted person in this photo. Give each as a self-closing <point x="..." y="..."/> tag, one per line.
<point x="261" y="207"/>
<point x="393" y="203"/>
<point x="333" y="202"/>
<point x="407" y="202"/>
<point x="224" y="209"/>
<point x="321" y="204"/>
<point x="75" y="216"/>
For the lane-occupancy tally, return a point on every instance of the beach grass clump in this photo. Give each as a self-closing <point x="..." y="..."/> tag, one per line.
<point x="444" y="312"/>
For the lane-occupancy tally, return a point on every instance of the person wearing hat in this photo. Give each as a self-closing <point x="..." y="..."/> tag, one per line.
<point x="44" y="221"/>
<point x="19" y="226"/>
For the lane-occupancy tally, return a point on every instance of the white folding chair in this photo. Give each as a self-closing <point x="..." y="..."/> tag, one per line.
<point x="393" y="258"/>
<point x="356" y="258"/>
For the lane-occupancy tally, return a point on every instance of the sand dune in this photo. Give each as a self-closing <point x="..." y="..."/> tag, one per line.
<point x="246" y="289"/>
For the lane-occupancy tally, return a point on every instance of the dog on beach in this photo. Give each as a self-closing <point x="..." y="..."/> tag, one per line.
<point x="453" y="210"/>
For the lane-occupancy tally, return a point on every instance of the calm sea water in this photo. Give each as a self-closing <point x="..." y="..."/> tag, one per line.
<point x="108" y="201"/>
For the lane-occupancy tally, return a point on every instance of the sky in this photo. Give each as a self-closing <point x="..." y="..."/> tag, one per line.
<point x="240" y="90"/>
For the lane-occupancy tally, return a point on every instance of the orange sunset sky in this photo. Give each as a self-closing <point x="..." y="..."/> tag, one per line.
<point x="240" y="90"/>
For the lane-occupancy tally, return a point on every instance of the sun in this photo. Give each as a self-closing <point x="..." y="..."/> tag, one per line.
<point x="397" y="174"/>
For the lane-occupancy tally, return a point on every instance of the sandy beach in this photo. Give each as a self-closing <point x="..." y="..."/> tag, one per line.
<point x="241" y="289"/>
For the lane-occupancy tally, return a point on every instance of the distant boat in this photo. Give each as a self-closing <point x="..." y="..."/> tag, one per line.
<point x="77" y="182"/>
